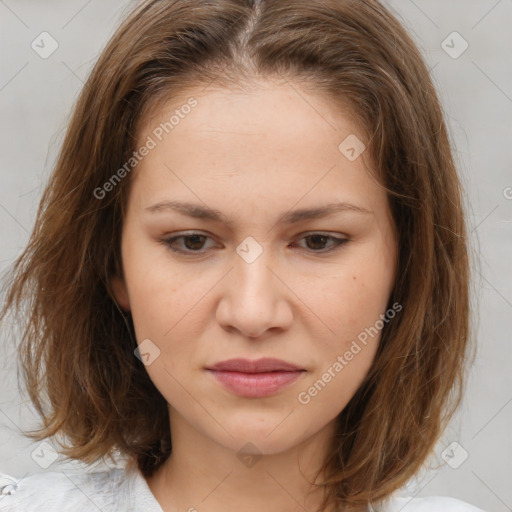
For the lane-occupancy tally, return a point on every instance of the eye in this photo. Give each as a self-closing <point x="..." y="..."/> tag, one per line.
<point x="193" y="243"/>
<point x="318" y="241"/>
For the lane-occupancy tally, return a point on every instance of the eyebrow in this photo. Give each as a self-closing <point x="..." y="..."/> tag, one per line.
<point x="198" y="211"/>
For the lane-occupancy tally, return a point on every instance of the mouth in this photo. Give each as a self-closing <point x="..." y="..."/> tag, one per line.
<point x="255" y="379"/>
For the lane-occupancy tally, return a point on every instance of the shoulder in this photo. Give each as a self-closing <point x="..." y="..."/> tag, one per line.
<point x="63" y="491"/>
<point x="427" y="504"/>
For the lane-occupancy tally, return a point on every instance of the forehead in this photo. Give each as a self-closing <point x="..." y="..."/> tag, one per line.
<point x="274" y="138"/>
<point x="263" y="110"/>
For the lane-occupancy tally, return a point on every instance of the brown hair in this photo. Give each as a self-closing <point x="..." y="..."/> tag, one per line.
<point x="77" y="347"/>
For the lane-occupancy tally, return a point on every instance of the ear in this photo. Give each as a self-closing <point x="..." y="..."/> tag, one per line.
<point x="120" y="292"/>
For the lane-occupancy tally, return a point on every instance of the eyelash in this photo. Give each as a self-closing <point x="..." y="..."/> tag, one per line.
<point x="338" y="243"/>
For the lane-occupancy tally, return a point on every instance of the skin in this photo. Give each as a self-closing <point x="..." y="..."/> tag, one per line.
<point x="253" y="156"/>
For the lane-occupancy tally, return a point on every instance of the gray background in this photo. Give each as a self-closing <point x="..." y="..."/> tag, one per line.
<point x="36" y="96"/>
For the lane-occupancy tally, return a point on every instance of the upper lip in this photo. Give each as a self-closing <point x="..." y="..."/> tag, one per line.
<point x="266" y="364"/>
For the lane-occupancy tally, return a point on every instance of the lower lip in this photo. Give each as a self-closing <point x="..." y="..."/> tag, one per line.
<point x="255" y="385"/>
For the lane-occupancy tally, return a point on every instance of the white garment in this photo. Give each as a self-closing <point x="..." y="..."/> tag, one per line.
<point x="126" y="490"/>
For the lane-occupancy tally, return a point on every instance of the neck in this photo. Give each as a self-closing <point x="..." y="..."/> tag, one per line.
<point x="204" y="475"/>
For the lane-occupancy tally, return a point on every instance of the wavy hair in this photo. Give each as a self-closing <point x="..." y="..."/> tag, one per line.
<point x="77" y="345"/>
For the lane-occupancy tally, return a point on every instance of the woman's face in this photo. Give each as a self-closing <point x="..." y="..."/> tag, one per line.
<point x="252" y="271"/>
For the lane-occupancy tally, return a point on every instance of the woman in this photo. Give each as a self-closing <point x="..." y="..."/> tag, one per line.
<point x="249" y="271"/>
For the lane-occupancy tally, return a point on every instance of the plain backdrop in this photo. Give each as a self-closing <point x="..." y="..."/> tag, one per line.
<point x="473" y="460"/>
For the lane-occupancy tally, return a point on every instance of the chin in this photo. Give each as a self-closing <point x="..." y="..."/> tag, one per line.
<point x="268" y="436"/>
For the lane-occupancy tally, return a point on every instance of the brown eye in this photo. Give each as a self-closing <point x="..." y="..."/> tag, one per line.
<point x="194" y="242"/>
<point x="317" y="242"/>
<point x="190" y="244"/>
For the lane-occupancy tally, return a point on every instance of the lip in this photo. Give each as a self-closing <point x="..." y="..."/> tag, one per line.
<point x="255" y="379"/>
<point x="265" y="364"/>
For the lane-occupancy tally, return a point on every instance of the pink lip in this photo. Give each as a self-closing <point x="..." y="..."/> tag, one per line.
<point x="255" y="379"/>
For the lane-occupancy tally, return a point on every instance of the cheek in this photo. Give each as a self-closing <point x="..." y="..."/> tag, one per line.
<point x="163" y="303"/>
<point x="351" y="331"/>
<point x="169" y="307"/>
<point x="352" y="306"/>
<point x="154" y="283"/>
<point x="352" y="301"/>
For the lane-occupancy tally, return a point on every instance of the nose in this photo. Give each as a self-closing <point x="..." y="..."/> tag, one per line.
<point x="254" y="297"/>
